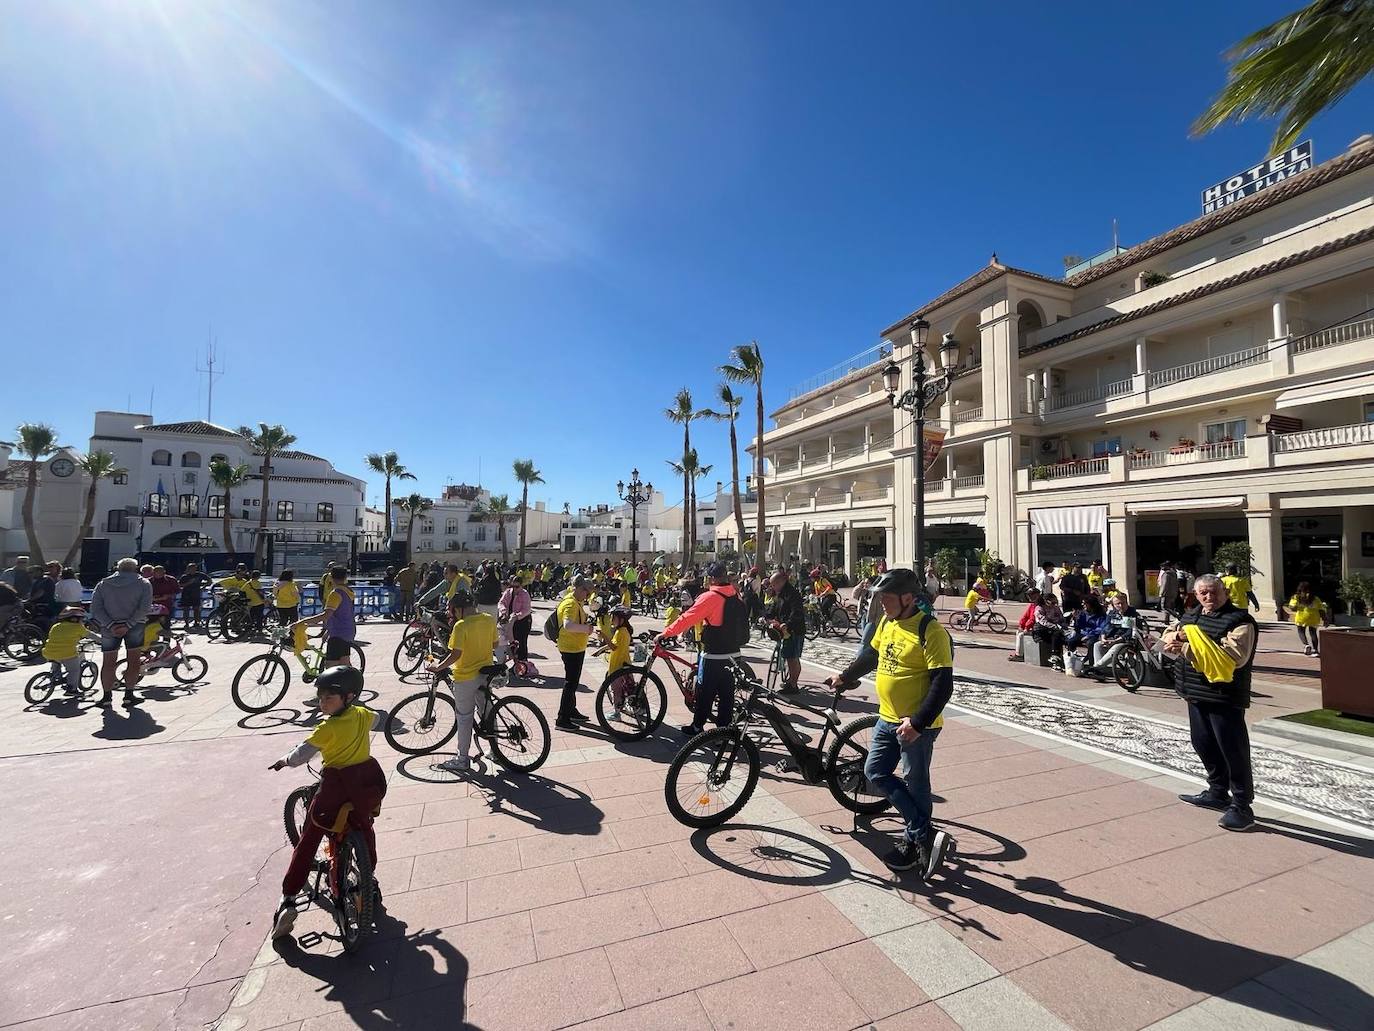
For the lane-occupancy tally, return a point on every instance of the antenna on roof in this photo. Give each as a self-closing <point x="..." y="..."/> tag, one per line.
<point x="210" y="374"/>
<point x="1116" y="244"/>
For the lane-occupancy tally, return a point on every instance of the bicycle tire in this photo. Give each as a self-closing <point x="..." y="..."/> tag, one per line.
<point x="24" y="643"/>
<point x="271" y="664"/>
<point x="433" y="708"/>
<point x="294" y="811"/>
<point x="181" y="669"/>
<point x="90" y="677"/>
<point x="844" y="768"/>
<point x="643" y="708"/>
<point x="359" y="656"/>
<point x="997" y="622"/>
<point x="234" y="625"/>
<point x="40" y="688"/>
<point x="1128" y="669"/>
<point x="512" y="734"/>
<point x="813" y="626"/>
<point x="414" y="645"/>
<point x="712" y="745"/>
<point x="352" y="887"/>
<point x="839" y="622"/>
<point x="962" y="620"/>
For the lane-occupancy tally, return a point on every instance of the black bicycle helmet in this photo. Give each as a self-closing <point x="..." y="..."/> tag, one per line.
<point x="899" y="581"/>
<point x="341" y="680"/>
<point x="460" y="599"/>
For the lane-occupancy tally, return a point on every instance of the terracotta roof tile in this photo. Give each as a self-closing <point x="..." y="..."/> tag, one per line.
<point x="982" y="277"/>
<point x="194" y="428"/>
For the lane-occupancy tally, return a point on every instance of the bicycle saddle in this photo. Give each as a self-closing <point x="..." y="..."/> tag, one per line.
<point x="493" y="669"/>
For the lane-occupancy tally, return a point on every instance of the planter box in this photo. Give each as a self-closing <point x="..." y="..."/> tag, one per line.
<point x="1347" y="658"/>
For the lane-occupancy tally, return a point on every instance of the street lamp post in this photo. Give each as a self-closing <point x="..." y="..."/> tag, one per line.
<point x="634" y="494"/>
<point x="925" y="390"/>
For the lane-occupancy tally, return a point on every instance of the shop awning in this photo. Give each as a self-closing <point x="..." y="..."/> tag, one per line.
<point x="1331" y="390"/>
<point x="956" y="520"/>
<point x="1184" y="504"/>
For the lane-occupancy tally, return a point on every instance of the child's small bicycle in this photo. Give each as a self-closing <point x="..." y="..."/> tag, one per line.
<point x="262" y="681"/>
<point x="643" y="699"/>
<point x="984" y="613"/>
<point x="186" y="668"/>
<point x="41" y="685"/>
<point x="345" y="873"/>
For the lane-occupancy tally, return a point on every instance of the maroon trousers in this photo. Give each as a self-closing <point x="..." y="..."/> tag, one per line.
<point x="365" y="786"/>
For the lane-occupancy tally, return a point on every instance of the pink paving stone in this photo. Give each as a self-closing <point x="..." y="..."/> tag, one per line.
<point x="546" y="849"/>
<point x="988" y="771"/>
<point x="449" y="810"/>
<point x="680" y="1013"/>
<point x="398" y="817"/>
<point x="485" y="830"/>
<point x="979" y="798"/>
<point x="440" y="1009"/>
<point x="649" y="830"/>
<point x="702" y="896"/>
<point x="629" y="869"/>
<point x="929" y="1017"/>
<point x="1352" y="871"/>
<point x="671" y="962"/>
<point x="877" y="984"/>
<point x="523" y="889"/>
<point x="992" y="937"/>
<point x="281" y="993"/>
<point x="463" y="864"/>
<point x="798" y="996"/>
<point x="625" y="784"/>
<point x="394" y="874"/>
<point x="785" y="931"/>
<point x="1031" y="820"/>
<point x="426" y="908"/>
<point x="546" y="995"/>
<point x="587" y="923"/>
<point x="415" y="841"/>
<point x="434" y="958"/>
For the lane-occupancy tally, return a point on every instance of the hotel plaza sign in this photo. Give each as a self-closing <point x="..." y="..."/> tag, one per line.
<point x="1275" y="170"/>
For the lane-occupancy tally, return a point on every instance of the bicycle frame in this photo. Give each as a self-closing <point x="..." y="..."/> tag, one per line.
<point x="686" y="682"/>
<point x="810" y="759"/>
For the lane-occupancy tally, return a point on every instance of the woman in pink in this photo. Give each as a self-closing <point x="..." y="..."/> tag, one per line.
<point x="514" y="607"/>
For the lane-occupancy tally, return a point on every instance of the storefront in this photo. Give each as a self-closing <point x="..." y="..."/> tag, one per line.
<point x="1067" y="535"/>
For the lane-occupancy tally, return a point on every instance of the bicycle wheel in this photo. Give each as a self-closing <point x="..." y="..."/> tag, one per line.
<point x="962" y="620"/>
<point x="705" y="786"/>
<point x="359" y="659"/>
<point x="24" y="643"/>
<point x="844" y="768"/>
<point x="39" y="688"/>
<point x="519" y="734"/>
<point x="190" y="668"/>
<point x="353" y="895"/>
<point x="411" y="652"/>
<point x="1128" y="669"/>
<point x="421" y="722"/>
<point x="839" y="622"/>
<point x="233" y="625"/>
<point x="90" y="676"/>
<point x="813" y="625"/>
<point x="997" y="622"/>
<point x="261" y="683"/>
<point x="641" y="709"/>
<point x="294" y="812"/>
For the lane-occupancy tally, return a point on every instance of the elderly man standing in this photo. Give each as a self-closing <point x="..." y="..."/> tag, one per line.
<point x="119" y="607"/>
<point x="1215" y="647"/>
<point x="18" y="576"/>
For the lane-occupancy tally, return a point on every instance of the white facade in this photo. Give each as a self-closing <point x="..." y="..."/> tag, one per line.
<point x="606" y="529"/>
<point x="452" y="527"/>
<point x="59" y="504"/>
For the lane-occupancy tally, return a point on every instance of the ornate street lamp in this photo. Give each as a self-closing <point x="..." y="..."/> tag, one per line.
<point x="927" y="388"/>
<point x="634" y="494"/>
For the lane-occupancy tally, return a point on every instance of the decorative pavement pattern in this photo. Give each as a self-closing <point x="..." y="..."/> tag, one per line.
<point x="1317" y="785"/>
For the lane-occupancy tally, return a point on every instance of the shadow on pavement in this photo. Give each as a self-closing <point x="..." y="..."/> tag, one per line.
<point x="776" y="856"/>
<point x="127" y="724"/>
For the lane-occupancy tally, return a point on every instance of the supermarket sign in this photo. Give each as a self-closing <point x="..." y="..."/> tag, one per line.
<point x="1250" y="181"/>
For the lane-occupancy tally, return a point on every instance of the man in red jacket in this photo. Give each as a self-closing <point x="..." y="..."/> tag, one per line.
<point x="722" y="612"/>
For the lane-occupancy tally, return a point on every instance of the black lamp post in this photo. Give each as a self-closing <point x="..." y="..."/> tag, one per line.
<point x="636" y="494"/>
<point x="926" y="389"/>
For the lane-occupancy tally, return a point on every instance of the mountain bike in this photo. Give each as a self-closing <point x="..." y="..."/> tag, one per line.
<point x="343" y="882"/>
<point x="1134" y="658"/>
<point x="231" y="618"/>
<point x="261" y="682"/>
<point x="41" y="685"/>
<point x="984" y="613"/>
<point x="838" y="623"/>
<point x="423" y="636"/>
<point x="713" y="776"/>
<point x="22" y="636"/>
<point x="643" y="698"/>
<point x="428" y="719"/>
<point x="186" y="668"/>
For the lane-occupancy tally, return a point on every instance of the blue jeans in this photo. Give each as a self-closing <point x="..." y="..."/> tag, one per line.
<point x="910" y="794"/>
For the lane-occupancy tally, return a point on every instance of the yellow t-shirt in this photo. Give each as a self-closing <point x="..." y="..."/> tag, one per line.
<point x="63" y="638"/>
<point x="474" y="636"/>
<point x="571" y="611"/>
<point x="246" y="585"/>
<point x="151" y="631"/>
<point x="345" y="738"/>
<point x="326" y="588"/>
<point x="1303" y="615"/>
<point x="904" y="665"/>
<point x="971" y="602"/>
<point x="670" y="615"/>
<point x="1238" y="587"/>
<point x="288" y="594"/>
<point x="822" y="586"/>
<point x="619" y="654"/>
<point x="1095" y="580"/>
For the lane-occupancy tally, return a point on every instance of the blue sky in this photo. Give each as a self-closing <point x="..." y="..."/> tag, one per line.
<point x="486" y="231"/>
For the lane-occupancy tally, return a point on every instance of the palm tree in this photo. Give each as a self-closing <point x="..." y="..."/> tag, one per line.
<point x="268" y="441"/>
<point x="691" y="469"/>
<point x="389" y="465"/>
<point x="1295" y="68"/>
<point x="526" y="473"/>
<point x="682" y="412"/>
<point x="498" y="511"/>
<point x="412" y="506"/>
<point x="98" y="465"/>
<point x="696" y="471"/>
<point x="732" y="402"/>
<point x="37" y="440"/>
<point x="228" y="477"/>
<point x="746" y="366"/>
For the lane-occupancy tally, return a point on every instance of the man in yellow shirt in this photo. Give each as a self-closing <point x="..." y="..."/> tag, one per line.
<point x="574" y="627"/>
<point x="913" y="657"/>
<point x="471" y="644"/>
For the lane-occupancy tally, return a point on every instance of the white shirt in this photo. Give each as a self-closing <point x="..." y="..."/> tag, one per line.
<point x="1044" y="582"/>
<point x="68" y="592"/>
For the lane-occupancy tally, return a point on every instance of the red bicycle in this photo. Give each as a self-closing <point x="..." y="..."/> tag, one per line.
<point x="632" y="701"/>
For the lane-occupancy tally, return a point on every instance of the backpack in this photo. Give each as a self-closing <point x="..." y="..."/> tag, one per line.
<point x="552" y="626"/>
<point x="734" y="621"/>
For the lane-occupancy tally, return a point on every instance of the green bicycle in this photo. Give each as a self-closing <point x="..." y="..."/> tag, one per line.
<point x="261" y="682"/>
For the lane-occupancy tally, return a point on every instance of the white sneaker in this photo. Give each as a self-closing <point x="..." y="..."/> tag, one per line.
<point x="458" y="764"/>
<point x="286" y="918"/>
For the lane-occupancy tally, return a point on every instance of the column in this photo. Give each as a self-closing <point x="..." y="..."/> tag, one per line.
<point x="1121" y="559"/>
<point x="902" y="549"/>
<point x="949" y="466"/>
<point x="1140" y="382"/>
<point x="999" y="482"/>
<point x="851" y="560"/>
<point x="1044" y="390"/>
<point x="1264" y="527"/>
<point x="1281" y="354"/>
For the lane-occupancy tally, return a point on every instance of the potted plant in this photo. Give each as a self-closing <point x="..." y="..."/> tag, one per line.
<point x="948" y="563"/>
<point x="1150" y="278"/>
<point x="1234" y="553"/>
<point x="1184" y="446"/>
<point x="1040" y="472"/>
<point x="1357" y="590"/>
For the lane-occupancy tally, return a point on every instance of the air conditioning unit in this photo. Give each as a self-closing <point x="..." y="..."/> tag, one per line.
<point x="1050" y="447"/>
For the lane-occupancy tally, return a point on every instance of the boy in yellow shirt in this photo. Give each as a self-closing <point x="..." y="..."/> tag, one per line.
<point x="617" y="650"/>
<point x="471" y="645"/>
<point x="62" y="648"/>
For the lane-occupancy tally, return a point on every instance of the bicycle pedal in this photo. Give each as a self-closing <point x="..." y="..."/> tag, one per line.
<point x="785" y="766"/>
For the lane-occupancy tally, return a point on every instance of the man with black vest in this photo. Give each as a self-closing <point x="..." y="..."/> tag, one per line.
<point x="1215" y="647"/>
<point x="725" y="632"/>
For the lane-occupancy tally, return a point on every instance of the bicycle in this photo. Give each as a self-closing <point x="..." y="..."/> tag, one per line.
<point x="984" y="613"/>
<point x="418" y="642"/>
<point x="838" y="623"/>
<point x="352" y="890"/>
<point x="230" y="618"/>
<point x="41" y="685"/>
<point x="704" y="789"/>
<point x="428" y="719"/>
<point x="644" y="700"/>
<point x="1136" y="657"/>
<point x="262" y="681"/>
<point x="186" y="668"/>
<point x="22" y="635"/>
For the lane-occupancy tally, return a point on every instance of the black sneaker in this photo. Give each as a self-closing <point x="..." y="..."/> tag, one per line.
<point x="103" y="702"/>
<point x="578" y="717"/>
<point x="562" y="723"/>
<point x="905" y="856"/>
<point x="689" y="731"/>
<point x="129" y="700"/>
<point x="935" y="854"/>
<point x="1208" y="799"/>
<point x="1237" y="818"/>
<point x="789" y="689"/>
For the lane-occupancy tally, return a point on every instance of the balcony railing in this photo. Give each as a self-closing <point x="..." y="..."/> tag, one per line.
<point x="1192" y="370"/>
<point x="968" y="415"/>
<point x="1347" y="332"/>
<point x="1067" y="470"/>
<point x="1120" y="388"/>
<point x="785" y="466"/>
<point x="849" y="451"/>
<point x="968" y="481"/>
<point x="1073" y="398"/>
<point x="936" y="486"/>
<point x="1182" y="454"/>
<point x="871" y="494"/>
<point x="840" y="371"/>
<point x="1330" y="436"/>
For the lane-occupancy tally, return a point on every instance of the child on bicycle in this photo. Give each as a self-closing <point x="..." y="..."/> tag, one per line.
<point x="670" y="615"/>
<point x="63" y="648"/>
<point x="979" y="597"/>
<point x="618" y="647"/>
<point x="286" y="597"/>
<point x="349" y="775"/>
<point x="471" y="644"/>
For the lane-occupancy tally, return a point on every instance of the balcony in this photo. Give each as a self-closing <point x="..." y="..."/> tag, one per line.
<point x="968" y="415"/>
<point x="1346" y="333"/>
<point x="1070" y="470"/>
<point x="863" y="359"/>
<point x="968" y="482"/>
<point x="1192" y="370"/>
<point x="1188" y="454"/>
<point x="1322" y="439"/>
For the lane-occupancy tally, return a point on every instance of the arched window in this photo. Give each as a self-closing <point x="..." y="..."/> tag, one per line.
<point x="190" y="459"/>
<point x="161" y="457"/>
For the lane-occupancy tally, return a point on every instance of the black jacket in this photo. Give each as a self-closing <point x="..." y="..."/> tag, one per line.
<point x="1191" y="684"/>
<point x="788" y="609"/>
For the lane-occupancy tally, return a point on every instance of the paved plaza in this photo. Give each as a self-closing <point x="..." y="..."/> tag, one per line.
<point x="146" y="851"/>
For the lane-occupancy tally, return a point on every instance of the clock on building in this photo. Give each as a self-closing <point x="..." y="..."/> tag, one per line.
<point x="62" y="467"/>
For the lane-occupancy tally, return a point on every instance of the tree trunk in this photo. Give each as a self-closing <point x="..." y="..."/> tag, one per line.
<point x="260" y="545"/>
<point x="229" y="530"/>
<point x="85" y="529"/>
<point x="734" y="487"/>
<point x="524" y="516"/>
<point x="694" y="517"/>
<point x="386" y="532"/>
<point x="501" y="535"/>
<point x="35" y="552"/>
<point x="686" y="498"/>
<point x="758" y="466"/>
<point x="410" y="537"/>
